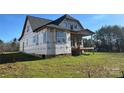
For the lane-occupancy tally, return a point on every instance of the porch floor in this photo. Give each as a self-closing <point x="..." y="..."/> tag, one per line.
<point x="81" y="50"/>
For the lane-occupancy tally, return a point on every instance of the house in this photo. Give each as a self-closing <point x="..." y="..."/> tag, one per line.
<point x="52" y="37"/>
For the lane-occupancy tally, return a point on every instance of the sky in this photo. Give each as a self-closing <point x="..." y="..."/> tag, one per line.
<point x="11" y="25"/>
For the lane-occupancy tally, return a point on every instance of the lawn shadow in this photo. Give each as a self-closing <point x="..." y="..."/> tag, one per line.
<point x="85" y="54"/>
<point x="16" y="56"/>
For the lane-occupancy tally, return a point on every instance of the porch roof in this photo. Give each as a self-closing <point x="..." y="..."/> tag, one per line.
<point x="84" y="32"/>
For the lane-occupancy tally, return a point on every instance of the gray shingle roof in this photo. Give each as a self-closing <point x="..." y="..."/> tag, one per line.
<point x="55" y="23"/>
<point x="38" y="22"/>
<point x="59" y="20"/>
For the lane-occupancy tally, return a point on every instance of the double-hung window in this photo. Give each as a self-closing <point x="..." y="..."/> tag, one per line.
<point x="44" y="37"/>
<point x="65" y="25"/>
<point x="28" y="28"/>
<point x="61" y="37"/>
<point x="75" y="26"/>
<point x="36" y="40"/>
<point x="26" y="42"/>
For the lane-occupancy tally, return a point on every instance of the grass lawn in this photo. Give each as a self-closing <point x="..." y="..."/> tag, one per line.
<point x="97" y="65"/>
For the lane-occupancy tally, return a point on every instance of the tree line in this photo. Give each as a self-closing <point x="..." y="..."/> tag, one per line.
<point x="11" y="46"/>
<point x="107" y="39"/>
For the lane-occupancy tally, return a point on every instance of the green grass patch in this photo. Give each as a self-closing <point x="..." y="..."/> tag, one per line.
<point x="98" y="65"/>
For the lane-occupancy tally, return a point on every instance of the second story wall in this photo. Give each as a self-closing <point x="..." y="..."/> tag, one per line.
<point x="70" y="24"/>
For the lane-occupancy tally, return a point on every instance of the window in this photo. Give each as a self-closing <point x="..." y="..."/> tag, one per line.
<point x="36" y="40"/>
<point x="28" y="28"/>
<point x="26" y="42"/>
<point x="75" y="26"/>
<point x="65" y="25"/>
<point x="33" y="39"/>
<point x="61" y="37"/>
<point x="44" y="37"/>
<point x="71" y="27"/>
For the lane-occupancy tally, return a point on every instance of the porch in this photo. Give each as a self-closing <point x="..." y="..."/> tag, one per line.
<point x="77" y="44"/>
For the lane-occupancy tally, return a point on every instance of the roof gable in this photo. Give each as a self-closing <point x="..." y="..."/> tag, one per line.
<point x="59" y="20"/>
<point x="65" y="17"/>
<point x="56" y="22"/>
<point x="37" y="22"/>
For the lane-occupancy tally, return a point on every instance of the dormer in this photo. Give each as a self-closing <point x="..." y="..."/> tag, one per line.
<point x="69" y="22"/>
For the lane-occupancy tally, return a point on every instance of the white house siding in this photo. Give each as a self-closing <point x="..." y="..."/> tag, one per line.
<point x="41" y="48"/>
<point x="21" y="46"/>
<point x="50" y="47"/>
<point x="27" y="35"/>
<point x="51" y="40"/>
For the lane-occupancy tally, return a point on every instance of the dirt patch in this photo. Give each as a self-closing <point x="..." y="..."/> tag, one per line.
<point x="12" y="68"/>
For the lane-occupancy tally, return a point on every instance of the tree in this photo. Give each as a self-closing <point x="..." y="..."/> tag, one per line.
<point x="14" y="45"/>
<point x="9" y="46"/>
<point x="111" y="38"/>
<point x="1" y="45"/>
<point x="1" y="41"/>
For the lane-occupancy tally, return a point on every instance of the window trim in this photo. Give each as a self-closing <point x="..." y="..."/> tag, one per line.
<point x="45" y="37"/>
<point x="76" y="26"/>
<point x="26" y="43"/>
<point x="65" y="24"/>
<point x="36" y="39"/>
<point x="63" y="39"/>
